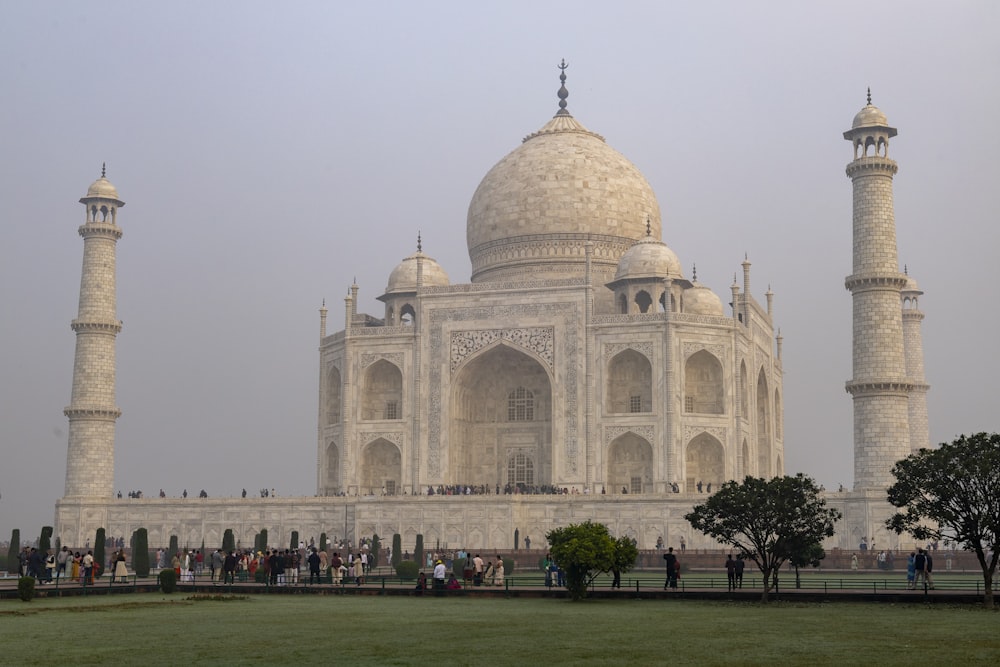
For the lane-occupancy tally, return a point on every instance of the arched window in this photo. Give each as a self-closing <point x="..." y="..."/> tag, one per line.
<point x="520" y="405"/>
<point x="643" y="301"/>
<point x="520" y="470"/>
<point x="703" y="388"/>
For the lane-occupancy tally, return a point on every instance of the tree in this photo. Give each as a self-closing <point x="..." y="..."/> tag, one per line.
<point x="14" y="550"/>
<point x="418" y="551"/>
<point x="624" y="556"/>
<point x="173" y="548"/>
<point x="768" y="521"/>
<point x="397" y="550"/>
<point x="228" y="541"/>
<point x="45" y="539"/>
<point x="322" y="541"/>
<point x="582" y="550"/>
<point x="376" y="548"/>
<point x="295" y="540"/>
<point x="803" y="555"/>
<point x="953" y="493"/>
<point x="140" y="552"/>
<point x="99" y="542"/>
<point x="263" y="539"/>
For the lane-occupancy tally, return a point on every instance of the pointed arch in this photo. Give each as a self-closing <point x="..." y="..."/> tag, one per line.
<point x="407" y="316"/>
<point x="705" y="462"/>
<point x="382" y="392"/>
<point x="630" y="464"/>
<point x="703" y="384"/>
<point x="333" y="476"/>
<point x="381" y="468"/>
<point x="501" y="408"/>
<point x="333" y="395"/>
<point x="643" y="301"/>
<point x="764" y="468"/>
<point x="745" y="462"/>
<point x="622" y="304"/>
<point x="629" y="383"/>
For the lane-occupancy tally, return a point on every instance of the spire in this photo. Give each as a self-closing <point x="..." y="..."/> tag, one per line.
<point x="563" y="93"/>
<point x="694" y="273"/>
<point x="420" y="245"/>
<point x="649" y="227"/>
<point x="104" y="166"/>
<point x="869" y="94"/>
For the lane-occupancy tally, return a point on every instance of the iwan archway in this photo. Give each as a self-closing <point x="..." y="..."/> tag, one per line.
<point x="501" y="429"/>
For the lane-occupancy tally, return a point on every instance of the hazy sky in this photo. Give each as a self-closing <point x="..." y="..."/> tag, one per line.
<point x="268" y="153"/>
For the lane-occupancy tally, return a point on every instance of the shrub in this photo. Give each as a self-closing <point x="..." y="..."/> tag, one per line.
<point x="295" y="540"/>
<point x="322" y="541"/>
<point x="140" y="553"/>
<point x="457" y="566"/>
<point x="397" y="549"/>
<point x="263" y="539"/>
<point x="173" y="547"/>
<point x="228" y="541"/>
<point x="407" y="569"/>
<point x="260" y="577"/>
<point x="26" y="588"/>
<point x="14" y="549"/>
<point x="376" y="548"/>
<point x="45" y="540"/>
<point x="168" y="580"/>
<point x="418" y="550"/>
<point x="99" y="552"/>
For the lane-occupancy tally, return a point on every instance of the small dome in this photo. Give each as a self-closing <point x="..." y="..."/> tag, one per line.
<point x="870" y="116"/>
<point x="648" y="258"/>
<point x="701" y="300"/>
<point x="911" y="285"/>
<point x="404" y="277"/>
<point x="102" y="188"/>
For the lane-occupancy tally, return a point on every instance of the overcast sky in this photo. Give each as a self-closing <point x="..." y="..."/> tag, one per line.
<point x="270" y="152"/>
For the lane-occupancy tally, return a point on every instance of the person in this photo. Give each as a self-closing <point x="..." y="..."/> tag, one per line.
<point x="488" y="573"/>
<point x="616" y="576"/>
<point x="911" y="570"/>
<point x="61" y="560"/>
<point x="453" y="584"/>
<point x="498" y="572"/>
<point x="175" y="563"/>
<point x="930" y="568"/>
<point x="527" y="542"/>
<point x="854" y="561"/>
<point x="421" y="584"/>
<point x="671" y="562"/>
<point x="88" y="568"/>
<point x="215" y="564"/>
<point x="731" y="572"/>
<point x="121" y="572"/>
<point x="75" y="561"/>
<point x="740" y="566"/>
<point x="314" y="565"/>
<point x="477" y="576"/>
<point x="919" y="568"/>
<point x="229" y="568"/>
<point x="359" y="572"/>
<point x="439" y="574"/>
<point x="683" y="545"/>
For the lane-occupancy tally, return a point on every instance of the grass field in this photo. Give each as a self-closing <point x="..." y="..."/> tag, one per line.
<point x="157" y="629"/>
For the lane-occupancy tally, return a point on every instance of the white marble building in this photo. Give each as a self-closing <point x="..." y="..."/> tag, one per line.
<point x="580" y="357"/>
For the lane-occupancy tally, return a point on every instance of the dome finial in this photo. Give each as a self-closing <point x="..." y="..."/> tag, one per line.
<point x="563" y="93"/>
<point x="869" y="94"/>
<point x="104" y="166"/>
<point x="420" y="245"/>
<point x="649" y="227"/>
<point x="694" y="273"/>
<point x="906" y="270"/>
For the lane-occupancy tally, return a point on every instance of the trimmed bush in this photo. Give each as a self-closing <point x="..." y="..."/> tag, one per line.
<point x="322" y="541"/>
<point x="228" y="541"/>
<point x="45" y="540"/>
<point x="263" y="539"/>
<point x="295" y="540"/>
<point x="376" y="548"/>
<point x="26" y="588"/>
<point x="397" y="549"/>
<point x="140" y="553"/>
<point x="99" y="552"/>
<point x="13" y="550"/>
<point x="168" y="580"/>
<point x="418" y="551"/>
<point x="174" y="548"/>
<point x="457" y="566"/>
<point x="508" y="565"/>
<point x="407" y="569"/>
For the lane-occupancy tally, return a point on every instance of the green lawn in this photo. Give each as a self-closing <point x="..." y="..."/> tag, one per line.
<point x="157" y="629"/>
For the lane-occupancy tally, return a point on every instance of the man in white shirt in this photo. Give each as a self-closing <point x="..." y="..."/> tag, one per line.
<point x="439" y="573"/>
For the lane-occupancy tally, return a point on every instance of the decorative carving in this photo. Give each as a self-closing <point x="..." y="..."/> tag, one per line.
<point x="628" y="319"/>
<point x="644" y="348"/>
<point x="382" y="331"/>
<point x="535" y="339"/>
<point x="369" y="358"/>
<point x="646" y="431"/>
<point x="718" y="351"/>
<point x="366" y="437"/>
<point x="717" y="432"/>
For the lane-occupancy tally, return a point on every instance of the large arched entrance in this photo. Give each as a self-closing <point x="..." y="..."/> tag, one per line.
<point x="630" y="464"/>
<point x="501" y="432"/>
<point x="332" y="469"/>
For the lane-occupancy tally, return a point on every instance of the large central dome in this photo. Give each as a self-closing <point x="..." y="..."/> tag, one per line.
<point x="563" y="187"/>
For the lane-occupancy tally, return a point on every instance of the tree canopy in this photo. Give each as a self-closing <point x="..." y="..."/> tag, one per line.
<point x="768" y="521"/>
<point x="953" y="493"/>
<point x="582" y="551"/>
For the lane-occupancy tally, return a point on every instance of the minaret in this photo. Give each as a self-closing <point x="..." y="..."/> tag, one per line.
<point x="879" y="387"/>
<point x="913" y="345"/>
<point x="90" y="459"/>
